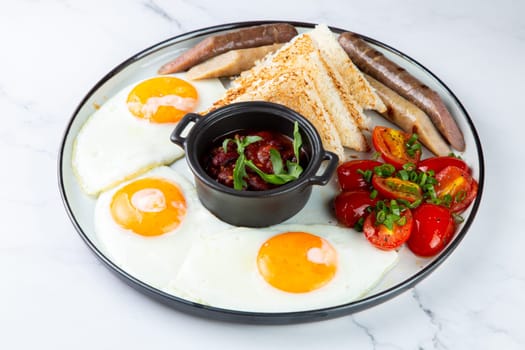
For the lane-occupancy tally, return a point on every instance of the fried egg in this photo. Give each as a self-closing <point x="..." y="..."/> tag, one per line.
<point x="130" y="133"/>
<point x="283" y="268"/>
<point x="146" y="225"/>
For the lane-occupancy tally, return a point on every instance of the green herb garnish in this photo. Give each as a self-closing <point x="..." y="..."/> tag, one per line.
<point x="384" y="170"/>
<point x="390" y="214"/>
<point x="280" y="176"/>
<point x="366" y="174"/>
<point x="412" y="146"/>
<point x="239" y="171"/>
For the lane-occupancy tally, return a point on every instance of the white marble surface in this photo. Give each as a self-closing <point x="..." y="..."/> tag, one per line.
<point x="55" y="294"/>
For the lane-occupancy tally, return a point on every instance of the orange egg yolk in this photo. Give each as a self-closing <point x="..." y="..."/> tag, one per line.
<point x="162" y="99"/>
<point x="149" y="206"/>
<point x="297" y="262"/>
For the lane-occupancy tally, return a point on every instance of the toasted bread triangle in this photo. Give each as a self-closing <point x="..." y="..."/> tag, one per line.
<point x="351" y="76"/>
<point x="329" y="104"/>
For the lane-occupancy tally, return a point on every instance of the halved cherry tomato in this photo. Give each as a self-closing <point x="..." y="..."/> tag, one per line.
<point x="395" y="188"/>
<point x="458" y="185"/>
<point x="439" y="163"/>
<point x="433" y="229"/>
<point x="349" y="177"/>
<point x="392" y="144"/>
<point x="383" y="238"/>
<point x="350" y="206"/>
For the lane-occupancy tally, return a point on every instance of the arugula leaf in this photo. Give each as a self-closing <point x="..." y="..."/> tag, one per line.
<point x="294" y="169"/>
<point x="239" y="173"/>
<point x="297" y="141"/>
<point x="279" y="176"/>
<point x="275" y="179"/>
<point x="225" y="144"/>
<point x="277" y="161"/>
<point x="248" y="140"/>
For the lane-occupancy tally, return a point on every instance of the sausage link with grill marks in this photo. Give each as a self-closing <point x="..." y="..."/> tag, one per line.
<point x="398" y="79"/>
<point x="261" y="35"/>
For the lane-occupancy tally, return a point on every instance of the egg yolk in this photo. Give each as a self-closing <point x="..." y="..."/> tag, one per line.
<point x="149" y="206"/>
<point x="297" y="262"/>
<point x="162" y="99"/>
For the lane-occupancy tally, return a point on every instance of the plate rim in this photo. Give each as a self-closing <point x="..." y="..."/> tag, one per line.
<point x="270" y="318"/>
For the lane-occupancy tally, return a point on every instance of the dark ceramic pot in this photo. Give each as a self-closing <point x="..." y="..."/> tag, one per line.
<point x="252" y="208"/>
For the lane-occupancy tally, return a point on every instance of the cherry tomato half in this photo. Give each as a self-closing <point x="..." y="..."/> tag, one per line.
<point x="395" y="188"/>
<point x="439" y="163"/>
<point x="383" y="238"/>
<point x="392" y="144"/>
<point x="349" y="177"/>
<point x="433" y="229"/>
<point x="350" y="206"/>
<point x="458" y="185"/>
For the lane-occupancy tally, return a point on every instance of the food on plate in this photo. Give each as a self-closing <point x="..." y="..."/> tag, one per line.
<point x="374" y="63"/>
<point x="146" y="225"/>
<point x="149" y="220"/>
<point x="230" y="63"/>
<point x="404" y="199"/>
<point x="350" y="206"/>
<point x="456" y="187"/>
<point x="282" y="268"/>
<point x="339" y="62"/>
<point x="130" y="132"/>
<point x="295" y="91"/>
<point x="256" y="160"/>
<point x="396" y="188"/>
<point x="350" y="175"/>
<point x="410" y="118"/>
<point x="244" y="38"/>
<point x="296" y="75"/>
<point x="436" y="164"/>
<point x="396" y="147"/>
<point x="434" y="227"/>
<point x="384" y="233"/>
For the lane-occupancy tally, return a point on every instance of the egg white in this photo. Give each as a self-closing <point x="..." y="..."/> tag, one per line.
<point x="220" y="270"/>
<point x="114" y="145"/>
<point x="154" y="260"/>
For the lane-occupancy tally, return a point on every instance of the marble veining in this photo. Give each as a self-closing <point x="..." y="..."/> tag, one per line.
<point x="55" y="294"/>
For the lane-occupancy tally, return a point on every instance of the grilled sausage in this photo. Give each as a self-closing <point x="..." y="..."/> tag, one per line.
<point x="398" y="79"/>
<point x="410" y="118"/>
<point x="265" y="34"/>
<point x="230" y="63"/>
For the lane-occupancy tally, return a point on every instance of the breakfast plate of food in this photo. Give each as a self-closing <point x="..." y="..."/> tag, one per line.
<point x="271" y="172"/>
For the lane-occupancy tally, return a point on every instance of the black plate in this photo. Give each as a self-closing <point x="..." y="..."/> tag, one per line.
<point x="80" y="216"/>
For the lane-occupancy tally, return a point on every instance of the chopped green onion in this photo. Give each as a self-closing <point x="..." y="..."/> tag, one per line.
<point x="403" y="175"/>
<point x="381" y="216"/>
<point x="412" y="146"/>
<point x="458" y="219"/>
<point x="359" y="225"/>
<point x="367" y="175"/>
<point x="409" y="166"/>
<point x="460" y="196"/>
<point x="452" y="154"/>
<point x="394" y="207"/>
<point x="402" y="221"/>
<point x="384" y="170"/>
<point x="446" y="200"/>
